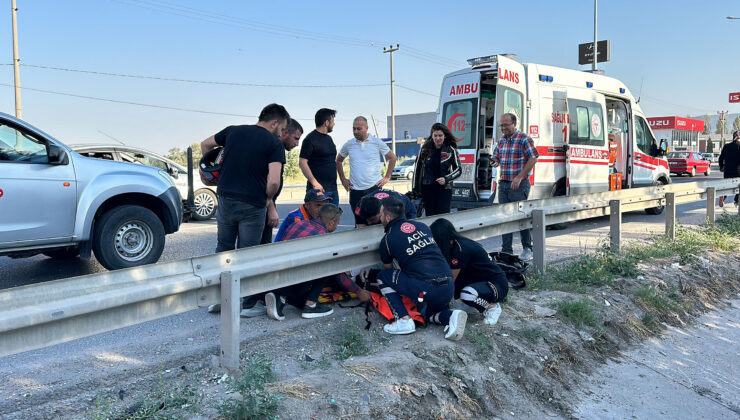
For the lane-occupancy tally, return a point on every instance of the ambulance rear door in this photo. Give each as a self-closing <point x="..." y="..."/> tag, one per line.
<point x="587" y="157"/>
<point x="459" y="111"/>
<point x="511" y="94"/>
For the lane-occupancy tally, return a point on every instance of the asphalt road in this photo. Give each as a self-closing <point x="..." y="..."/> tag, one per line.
<point x="199" y="238"/>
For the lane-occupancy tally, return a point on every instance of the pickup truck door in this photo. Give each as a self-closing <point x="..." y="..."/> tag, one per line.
<point x="38" y="200"/>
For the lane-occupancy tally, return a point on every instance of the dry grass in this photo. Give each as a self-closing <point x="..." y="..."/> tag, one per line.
<point x="363" y="370"/>
<point x="300" y="390"/>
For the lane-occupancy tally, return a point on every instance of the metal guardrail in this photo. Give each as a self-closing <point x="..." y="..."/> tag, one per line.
<point x="36" y="316"/>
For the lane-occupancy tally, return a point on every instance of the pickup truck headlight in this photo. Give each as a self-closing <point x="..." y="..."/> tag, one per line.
<point x="167" y="176"/>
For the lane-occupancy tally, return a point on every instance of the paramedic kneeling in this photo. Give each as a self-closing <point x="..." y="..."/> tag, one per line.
<point x="424" y="274"/>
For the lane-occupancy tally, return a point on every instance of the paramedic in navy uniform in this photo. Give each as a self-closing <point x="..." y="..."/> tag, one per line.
<point x="479" y="281"/>
<point x="423" y="271"/>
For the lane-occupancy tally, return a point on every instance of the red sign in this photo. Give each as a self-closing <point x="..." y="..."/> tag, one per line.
<point x="407" y="228"/>
<point x="735" y="97"/>
<point x="677" y="123"/>
<point x="534" y="131"/>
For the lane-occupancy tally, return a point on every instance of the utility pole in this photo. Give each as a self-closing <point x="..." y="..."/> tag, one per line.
<point x="391" y="50"/>
<point x="721" y="124"/>
<point x="16" y="62"/>
<point x="596" y="49"/>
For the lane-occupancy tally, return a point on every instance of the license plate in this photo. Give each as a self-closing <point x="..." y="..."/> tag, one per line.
<point x="461" y="192"/>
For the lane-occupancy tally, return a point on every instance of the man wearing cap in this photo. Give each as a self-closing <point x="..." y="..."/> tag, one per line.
<point x="312" y="202"/>
<point x="729" y="162"/>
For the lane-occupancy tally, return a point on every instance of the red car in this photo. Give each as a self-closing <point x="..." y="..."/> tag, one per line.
<point x="689" y="163"/>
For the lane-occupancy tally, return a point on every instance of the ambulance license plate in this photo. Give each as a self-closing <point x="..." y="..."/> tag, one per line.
<point x="461" y="192"/>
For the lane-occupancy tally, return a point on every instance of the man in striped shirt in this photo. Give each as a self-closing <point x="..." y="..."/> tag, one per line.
<point x="515" y="155"/>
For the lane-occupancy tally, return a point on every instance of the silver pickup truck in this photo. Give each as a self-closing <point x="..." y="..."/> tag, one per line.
<point x="56" y="202"/>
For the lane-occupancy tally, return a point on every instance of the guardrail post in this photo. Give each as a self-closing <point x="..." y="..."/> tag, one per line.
<point x="538" y="239"/>
<point x="229" y="321"/>
<point x="670" y="215"/>
<point x="711" y="202"/>
<point x="615" y="225"/>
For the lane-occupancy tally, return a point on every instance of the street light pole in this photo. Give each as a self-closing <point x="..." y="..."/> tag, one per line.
<point x="596" y="50"/>
<point x="391" y="50"/>
<point x="16" y="62"/>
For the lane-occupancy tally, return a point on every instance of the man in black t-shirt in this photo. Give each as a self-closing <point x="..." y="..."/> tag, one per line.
<point x="318" y="155"/>
<point x="250" y="177"/>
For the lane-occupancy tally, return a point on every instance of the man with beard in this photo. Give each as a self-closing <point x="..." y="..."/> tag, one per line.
<point x="250" y="177"/>
<point x="318" y="154"/>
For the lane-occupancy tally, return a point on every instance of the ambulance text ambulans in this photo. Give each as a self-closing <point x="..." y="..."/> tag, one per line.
<point x="590" y="132"/>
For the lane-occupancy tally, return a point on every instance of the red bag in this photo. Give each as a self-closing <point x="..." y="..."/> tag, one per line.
<point x="381" y="305"/>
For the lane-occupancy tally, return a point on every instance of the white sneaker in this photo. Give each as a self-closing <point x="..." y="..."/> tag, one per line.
<point x="402" y="326"/>
<point x="526" y="255"/>
<point x="258" y="309"/>
<point x="490" y="315"/>
<point x="214" y="309"/>
<point x="456" y="328"/>
<point x="275" y="305"/>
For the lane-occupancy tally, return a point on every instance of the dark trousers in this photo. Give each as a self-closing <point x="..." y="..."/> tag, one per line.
<point x="481" y="294"/>
<point x="354" y="199"/>
<point x="436" y="199"/>
<point x="395" y="283"/>
<point x="240" y="224"/>
<point x="298" y="294"/>
<point x="507" y="195"/>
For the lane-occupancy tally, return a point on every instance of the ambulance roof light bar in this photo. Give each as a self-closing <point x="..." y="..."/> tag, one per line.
<point x="488" y="59"/>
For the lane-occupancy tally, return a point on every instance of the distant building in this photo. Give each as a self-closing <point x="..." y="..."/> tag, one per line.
<point x="411" y="130"/>
<point x="681" y="133"/>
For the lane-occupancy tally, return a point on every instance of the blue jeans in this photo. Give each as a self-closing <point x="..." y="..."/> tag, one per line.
<point x="395" y="283"/>
<point x="507" y="195"/>
<point x="240" y="224"/>
<point x="334" y="195"/>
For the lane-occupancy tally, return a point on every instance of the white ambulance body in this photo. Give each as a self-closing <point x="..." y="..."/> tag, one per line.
<point x="571" y="115"/>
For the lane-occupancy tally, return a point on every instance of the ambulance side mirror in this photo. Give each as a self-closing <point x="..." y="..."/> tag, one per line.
<point x="663" y="147"/>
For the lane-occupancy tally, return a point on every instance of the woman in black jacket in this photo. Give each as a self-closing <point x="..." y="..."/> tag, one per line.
<point x="479" y="281"/>
<point x="438" y="164"/>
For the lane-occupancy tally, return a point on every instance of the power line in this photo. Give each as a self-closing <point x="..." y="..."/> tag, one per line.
<point x="417" y="91"/>
<point x="216" y="18"/>
<point x="208" y="82"/>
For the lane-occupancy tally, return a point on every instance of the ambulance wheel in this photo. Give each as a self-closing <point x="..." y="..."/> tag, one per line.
<point x="559" y="191"/>
<point x="656" y="210"/>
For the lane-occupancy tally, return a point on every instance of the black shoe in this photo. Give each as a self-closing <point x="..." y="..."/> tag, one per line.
<point x="275" y="305"/>
<point x="317" y="311"/>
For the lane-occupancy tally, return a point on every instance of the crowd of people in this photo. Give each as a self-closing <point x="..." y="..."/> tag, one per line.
<point x="428" y="266"/>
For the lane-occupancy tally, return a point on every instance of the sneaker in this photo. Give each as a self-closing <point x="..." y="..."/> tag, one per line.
<point x="275" y="305"/>
<point x="402" y="326"/>
<point x="490" y="315"/>
<point x="316" y="311"/>
<point x="214" y="309"/>
<point x="526" y="254"/>
<point x="258" y="309"/>
<point x="456" y="328"/>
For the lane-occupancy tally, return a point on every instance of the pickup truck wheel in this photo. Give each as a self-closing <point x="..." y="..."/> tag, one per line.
<point x="206" y="203"/>
<point x="68" y="252"/>
<point x="128" y="236"/>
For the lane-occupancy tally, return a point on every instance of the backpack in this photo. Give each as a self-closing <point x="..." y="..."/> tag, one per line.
<point x="210" y="166"/>
<point x="513" y="266"/>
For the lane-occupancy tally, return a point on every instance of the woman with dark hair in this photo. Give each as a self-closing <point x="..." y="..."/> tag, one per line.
<point x="437" y="165"/>
<point x="479" y="282"/>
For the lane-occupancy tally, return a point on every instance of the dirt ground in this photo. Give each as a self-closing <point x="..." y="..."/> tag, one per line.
<point x="526" y="366"/>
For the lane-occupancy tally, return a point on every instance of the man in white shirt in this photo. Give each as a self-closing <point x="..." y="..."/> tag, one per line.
<point x="364" y="153"/>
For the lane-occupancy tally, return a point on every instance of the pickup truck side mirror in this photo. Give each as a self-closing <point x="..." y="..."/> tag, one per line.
<point x="174" y="173"/>
<point x="56" y="155"/>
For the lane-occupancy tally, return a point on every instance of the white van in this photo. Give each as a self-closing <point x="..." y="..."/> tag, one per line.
<point x="571" y="115"/>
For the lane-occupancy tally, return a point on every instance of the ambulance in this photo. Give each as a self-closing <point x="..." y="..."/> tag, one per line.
<point x="590" y="132"/>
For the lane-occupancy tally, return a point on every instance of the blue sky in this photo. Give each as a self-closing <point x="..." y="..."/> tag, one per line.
<point x="680" y="56"/>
